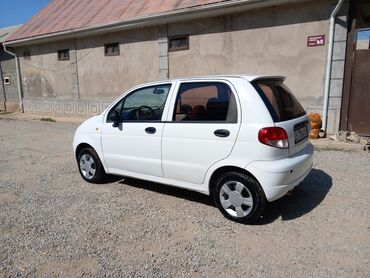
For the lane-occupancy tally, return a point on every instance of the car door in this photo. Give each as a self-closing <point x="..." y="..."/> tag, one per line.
<point x="133" y="144"/>
<point x="202" y="130"/>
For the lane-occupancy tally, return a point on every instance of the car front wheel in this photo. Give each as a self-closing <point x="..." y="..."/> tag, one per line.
<point x="239" y="197"/>
<point x="90" y="166"/>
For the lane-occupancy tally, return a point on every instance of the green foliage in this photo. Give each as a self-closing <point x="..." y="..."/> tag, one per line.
<point x="48" y="120"/>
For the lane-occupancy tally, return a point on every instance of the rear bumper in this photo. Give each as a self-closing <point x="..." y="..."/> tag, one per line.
<point x="277" y="177"/>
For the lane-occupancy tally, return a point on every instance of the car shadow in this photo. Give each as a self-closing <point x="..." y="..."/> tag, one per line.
<point x="300" y="201"/>
<point x="112" y="179"/>
<point x="169" y="190"/>
<point x="303" y="199"/>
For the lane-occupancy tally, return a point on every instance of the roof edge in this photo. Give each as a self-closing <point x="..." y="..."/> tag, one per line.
<point x="7" y="31"/>
<point x="156" y="19"/>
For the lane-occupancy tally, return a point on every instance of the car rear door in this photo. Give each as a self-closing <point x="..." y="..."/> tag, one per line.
<point x="201" y="129"/>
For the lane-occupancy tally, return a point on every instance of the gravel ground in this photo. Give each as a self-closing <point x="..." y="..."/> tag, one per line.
<point x="53" y="224"/>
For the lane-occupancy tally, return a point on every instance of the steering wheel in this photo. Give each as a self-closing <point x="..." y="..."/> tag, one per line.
<point x="145" y="113"/>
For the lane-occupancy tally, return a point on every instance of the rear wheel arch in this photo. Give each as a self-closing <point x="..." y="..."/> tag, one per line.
<point x="238" y="194"/>
<point x="225" y="169"/>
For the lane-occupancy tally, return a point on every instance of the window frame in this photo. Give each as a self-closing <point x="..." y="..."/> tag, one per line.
<point x="357" y="46"/>
<point x="27" y="54"/>
<point x="112" y="44"/>
<point x="172" y="108"/>
<point x="275" y="82"/>
<point x="6" y="80"/>
<point x="61" y="52"/>
<point x="187" y="47"/>
<point x="134" y="90"/>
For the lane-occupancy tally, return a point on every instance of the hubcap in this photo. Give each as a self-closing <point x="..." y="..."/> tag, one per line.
<point x="236" y="199"/>
<point x="87" y="166"/>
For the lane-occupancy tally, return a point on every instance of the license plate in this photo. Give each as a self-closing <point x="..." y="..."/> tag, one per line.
<point x="300" y="134"/>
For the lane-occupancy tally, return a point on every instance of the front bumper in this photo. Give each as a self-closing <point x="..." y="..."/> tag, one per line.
<point x="277" y="177"/>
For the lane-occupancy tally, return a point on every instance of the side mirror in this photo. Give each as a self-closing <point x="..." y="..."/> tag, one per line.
<point x="114" y="117"/>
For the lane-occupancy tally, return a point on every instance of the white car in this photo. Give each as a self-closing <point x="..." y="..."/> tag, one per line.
<point x="241" y="139"/>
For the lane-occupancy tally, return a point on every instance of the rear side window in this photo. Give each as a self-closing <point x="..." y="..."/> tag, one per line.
<point x="281" y="103"/>
<point x="205" y="102"/>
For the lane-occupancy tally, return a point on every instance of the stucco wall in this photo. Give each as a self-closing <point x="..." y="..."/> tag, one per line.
<point x="264" y="41"/>
<point x="106" y="77"/>
<point x="8" y="93"/>
<point x="99" y="76"/>
<point x="43" y="75"/>
<point x="62" y="88"/>
<point x="269" y="40"/>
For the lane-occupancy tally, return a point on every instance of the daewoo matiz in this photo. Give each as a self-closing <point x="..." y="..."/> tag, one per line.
<point x="241" y="139"/>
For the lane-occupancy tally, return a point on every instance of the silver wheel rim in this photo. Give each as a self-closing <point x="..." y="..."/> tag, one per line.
<point x="236" y="199"/>
<point x="87" y="166"/>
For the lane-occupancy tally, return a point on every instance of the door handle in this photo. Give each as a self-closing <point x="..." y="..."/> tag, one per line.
<point x="222" y="132"/>
<point x="150" y="130"/>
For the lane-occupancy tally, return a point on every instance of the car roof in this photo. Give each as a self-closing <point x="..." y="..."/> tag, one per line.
<point x="249" y="78"/>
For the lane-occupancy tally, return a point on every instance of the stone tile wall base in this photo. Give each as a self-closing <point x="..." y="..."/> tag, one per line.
<point x="70" y="107"/>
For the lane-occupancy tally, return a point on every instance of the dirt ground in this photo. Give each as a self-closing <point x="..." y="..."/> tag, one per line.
<point x="53" y="224"/>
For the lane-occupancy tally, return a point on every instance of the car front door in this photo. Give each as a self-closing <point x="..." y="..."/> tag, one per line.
<point x="132" y="130"/>
<point x="202" y="130"/>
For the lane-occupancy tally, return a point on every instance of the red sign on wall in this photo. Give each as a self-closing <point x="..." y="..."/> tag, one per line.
<point x="313" y="41"/>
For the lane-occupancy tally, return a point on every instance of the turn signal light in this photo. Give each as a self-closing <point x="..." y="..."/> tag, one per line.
<point x="274" y="136"/>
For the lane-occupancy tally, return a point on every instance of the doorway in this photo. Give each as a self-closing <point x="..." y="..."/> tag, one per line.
<point x="355" y="114"/>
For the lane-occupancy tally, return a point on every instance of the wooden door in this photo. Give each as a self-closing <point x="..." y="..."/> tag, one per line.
<point x="359" y="103"/>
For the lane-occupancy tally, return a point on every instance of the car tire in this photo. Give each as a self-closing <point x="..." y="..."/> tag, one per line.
<point x="90" y="166"/>
<point x="239" y="197"/>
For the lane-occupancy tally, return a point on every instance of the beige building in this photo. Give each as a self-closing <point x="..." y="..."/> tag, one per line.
<point x="75" y="60"/>
<point x="9" y="98"/>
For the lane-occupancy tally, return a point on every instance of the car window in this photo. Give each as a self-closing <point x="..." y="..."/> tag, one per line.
<point x="283" y="106"/>
<point x="144" y="104"/>
<point x="205" y="101"/>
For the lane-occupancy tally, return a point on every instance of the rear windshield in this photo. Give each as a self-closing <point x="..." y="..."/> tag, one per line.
<point x="281" y="103"/>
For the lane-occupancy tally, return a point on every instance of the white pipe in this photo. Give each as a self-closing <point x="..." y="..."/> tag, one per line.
<point x="18" y="77"/>
<point x="329" y="65"/>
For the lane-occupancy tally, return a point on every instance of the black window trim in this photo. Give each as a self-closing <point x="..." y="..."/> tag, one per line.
<point x="274" y="115"/>
<point x="187" y="47"/>
<point x="112" y="44"/>
<point x="232" y="88"/>
<point x="265" y="100"/>
<point x="27" y="54"/>
<point x="60" y="51"/>
<point x="6" y="80"/>
<point x="123" y="99"/>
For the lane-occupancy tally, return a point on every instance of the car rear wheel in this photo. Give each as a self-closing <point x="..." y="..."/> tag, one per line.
<point x="239" y="197"/>
<point x="90" y="166"/>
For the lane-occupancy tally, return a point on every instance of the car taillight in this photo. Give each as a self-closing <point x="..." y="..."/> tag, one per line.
<point x="274" y="137"/>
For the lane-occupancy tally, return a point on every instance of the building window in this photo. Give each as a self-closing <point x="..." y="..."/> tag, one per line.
<point x="63" y="54"/>
<point x="27" y="55"/>
<point x="7" y="80"/>
<point x="178" y="43"/>
<point x="111" y="49"/>
<point x="363" y="39"/>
